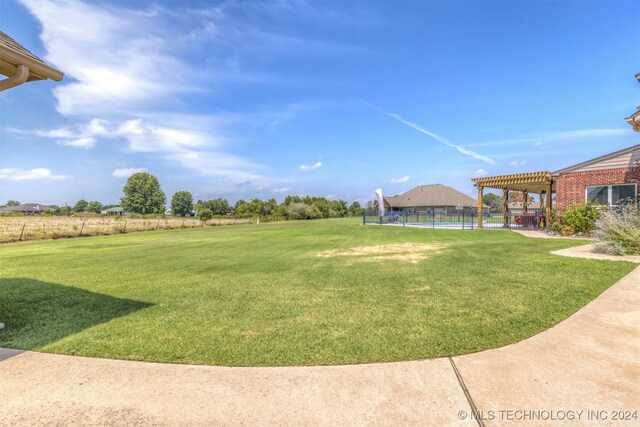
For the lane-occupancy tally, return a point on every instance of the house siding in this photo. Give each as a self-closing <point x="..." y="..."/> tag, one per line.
<point x="571" y="186"/>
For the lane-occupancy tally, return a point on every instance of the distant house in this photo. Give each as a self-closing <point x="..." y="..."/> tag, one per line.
<point x="26" y="209"/>
<point x="115" y="211"/>
<point x="437" y="198"/>
<point x="518" y="207"/>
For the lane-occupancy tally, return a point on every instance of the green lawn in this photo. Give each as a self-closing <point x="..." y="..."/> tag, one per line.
<point x="259" y="295"/>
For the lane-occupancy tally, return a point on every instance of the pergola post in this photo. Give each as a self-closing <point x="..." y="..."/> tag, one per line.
<point x="541" y="208"/>
<point x="525" y="198"/>
<point x="505" y="206"/>
<point x="480" y="206"/>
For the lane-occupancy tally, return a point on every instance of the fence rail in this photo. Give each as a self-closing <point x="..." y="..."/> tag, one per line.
<point x="462" y="220"/>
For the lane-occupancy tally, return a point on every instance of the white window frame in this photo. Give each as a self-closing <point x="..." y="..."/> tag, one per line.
<point x="610" y="191"/>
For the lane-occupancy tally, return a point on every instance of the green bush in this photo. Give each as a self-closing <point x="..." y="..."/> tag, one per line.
<point x="554" y="223"/>
<point x="205" y="215"/>
<point x="303" y="211"/>
<point x="619" y="231"/>
<point x="580" y="219"/>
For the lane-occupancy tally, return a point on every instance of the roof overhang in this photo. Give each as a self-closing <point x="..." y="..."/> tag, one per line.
<point x="10" y="60"/>
<point x="634" y="121"/>
<point x="533" y="182"/>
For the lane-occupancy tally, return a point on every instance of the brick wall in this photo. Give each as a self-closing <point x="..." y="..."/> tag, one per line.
<point x="570" y="187"/>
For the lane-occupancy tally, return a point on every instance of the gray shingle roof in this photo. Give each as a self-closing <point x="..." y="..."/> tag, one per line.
<point x="26" y="207"/>
<point x="431" y="195"/>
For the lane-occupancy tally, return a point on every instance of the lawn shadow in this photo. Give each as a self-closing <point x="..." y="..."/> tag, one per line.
<point x="38" y="313"/>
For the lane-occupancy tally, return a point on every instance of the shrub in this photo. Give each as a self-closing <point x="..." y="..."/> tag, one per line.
<point x="205" y="215"/>
<point x="619" y="231"/>
<point x="554" y="223"/>
<point x="580" y="219"/>
<point x="303" y="211"/>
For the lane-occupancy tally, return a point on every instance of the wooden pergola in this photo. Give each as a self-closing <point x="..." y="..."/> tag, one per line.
<point x="531" y="182"/>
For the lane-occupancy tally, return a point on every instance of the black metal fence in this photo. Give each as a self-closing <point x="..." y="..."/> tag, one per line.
<point x="461" y="220"/>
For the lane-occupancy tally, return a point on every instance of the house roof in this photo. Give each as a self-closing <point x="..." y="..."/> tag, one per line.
<point x="606" y="157"/>
<point x="13" y="54"/>
<point x="26" y="207"/>
<point x="430" y="195"/>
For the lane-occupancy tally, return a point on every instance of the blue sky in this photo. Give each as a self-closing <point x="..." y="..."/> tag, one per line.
<point x="249" y="99"/>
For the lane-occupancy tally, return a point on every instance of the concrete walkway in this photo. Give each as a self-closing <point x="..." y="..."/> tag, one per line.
<point x="589" y="362"/>
<point x="587" y="251"/>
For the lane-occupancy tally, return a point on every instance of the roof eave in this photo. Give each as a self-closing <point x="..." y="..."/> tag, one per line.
<point x="597" y="159"/>
<point x="37" y="70"/>
<point x="634" y="121"/>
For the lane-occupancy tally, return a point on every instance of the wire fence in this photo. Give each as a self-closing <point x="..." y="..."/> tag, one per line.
<point x="13" y="229"/>
<point x="459" y="220"/>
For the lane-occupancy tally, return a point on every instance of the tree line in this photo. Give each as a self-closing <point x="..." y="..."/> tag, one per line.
<point x="143" y="195"/>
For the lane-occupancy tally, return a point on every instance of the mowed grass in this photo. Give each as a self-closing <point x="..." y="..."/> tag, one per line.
<point x="259" y="295"/>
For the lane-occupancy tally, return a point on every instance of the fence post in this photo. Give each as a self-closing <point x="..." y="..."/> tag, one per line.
<point x="404" y="217"/>
<point x="417" y="217"/>
<point x="22" y="232"/>
<point x="433" y="219"/>
<point x="364" y="217"/>
<point x="124" y="229"/>
<point x="81" y="228"/>
<point x="462" y="219"/>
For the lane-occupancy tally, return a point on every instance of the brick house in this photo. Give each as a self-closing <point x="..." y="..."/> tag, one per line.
<point x="604" y="180"/>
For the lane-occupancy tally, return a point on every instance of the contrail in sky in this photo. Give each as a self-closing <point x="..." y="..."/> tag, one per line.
<point x="433" y="135"/>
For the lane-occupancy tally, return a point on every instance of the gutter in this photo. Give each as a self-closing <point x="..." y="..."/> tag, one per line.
<point x="21" y="76"/>
<point x="38" y="69"/>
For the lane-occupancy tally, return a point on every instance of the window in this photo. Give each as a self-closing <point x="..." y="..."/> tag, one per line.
<point x="611" y="194"/>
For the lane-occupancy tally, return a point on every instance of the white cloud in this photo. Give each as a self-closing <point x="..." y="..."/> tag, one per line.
<point x="280" y="190"/>
<point x="516" y="163"/>
<point x="307" y="168"/>
<point x="127" y="172"/>
<point x="79" y="135"/>
<point x="400" y="180"/>
<point x="538" y="139"/>
<point x="39" y="174"/>
<point x="85" y="142"/>
<point x="434" y="135"/>
<point x="480" y="173"/>
<point x="125" y="70"/>
<point x="114" y="57"/>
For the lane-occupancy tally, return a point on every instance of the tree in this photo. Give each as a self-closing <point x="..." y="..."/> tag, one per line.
<point x="143" y="194"/>
<point x="11" y="203"/>
<point x="182" y="203"/>
<point x="205" y="215"/>
<point x="238" y="203"/>
<point x="355" y="209"/>
<point x="493" y="201"/>
<point x="94" y="207"/>
<point x="219" y="206"/>
<point x="65" y="210"/>
<point x="81" y="205"/>
<point x="254" y="208"/>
